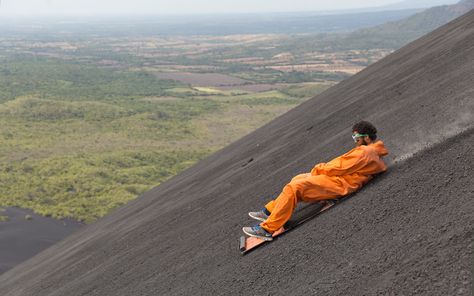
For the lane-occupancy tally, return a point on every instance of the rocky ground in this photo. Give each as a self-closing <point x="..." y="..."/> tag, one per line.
<point x="25" y="234"/>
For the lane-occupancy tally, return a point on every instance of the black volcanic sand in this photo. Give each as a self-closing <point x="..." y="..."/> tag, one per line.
<point x="409" y="232"/>
<point x="21" y="239"/>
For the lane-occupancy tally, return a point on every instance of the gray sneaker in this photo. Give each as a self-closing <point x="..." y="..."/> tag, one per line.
<point x="260" y="216"/>
<point x="258" y="231"/>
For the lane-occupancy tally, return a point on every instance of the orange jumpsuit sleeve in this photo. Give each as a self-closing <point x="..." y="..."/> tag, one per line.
<point x="345" y="164"/>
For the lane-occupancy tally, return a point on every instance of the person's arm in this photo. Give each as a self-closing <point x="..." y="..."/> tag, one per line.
<point x="346" y="164"/>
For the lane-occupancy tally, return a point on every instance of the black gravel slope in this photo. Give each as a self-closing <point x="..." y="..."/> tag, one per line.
<point x="21" y="238"/>
<point x="410" y="232"/>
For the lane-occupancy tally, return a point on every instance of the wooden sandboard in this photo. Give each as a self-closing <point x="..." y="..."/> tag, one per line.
<point x="249" y="243"/>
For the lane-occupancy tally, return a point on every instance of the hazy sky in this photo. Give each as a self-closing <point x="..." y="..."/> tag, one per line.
<point x="177" y="6"/>
<point x="37" y="7"/>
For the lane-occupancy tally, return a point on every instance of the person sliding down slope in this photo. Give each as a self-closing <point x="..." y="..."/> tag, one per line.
<point x="339" y="177"/>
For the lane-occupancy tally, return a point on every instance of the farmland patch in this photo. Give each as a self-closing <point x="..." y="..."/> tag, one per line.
<point x="202" y="79"/>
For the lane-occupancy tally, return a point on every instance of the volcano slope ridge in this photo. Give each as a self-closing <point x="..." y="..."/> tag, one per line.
<point x="409" y="230"/>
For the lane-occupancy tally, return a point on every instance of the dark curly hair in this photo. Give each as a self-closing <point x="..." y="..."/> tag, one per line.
<point x="365" y="127"/>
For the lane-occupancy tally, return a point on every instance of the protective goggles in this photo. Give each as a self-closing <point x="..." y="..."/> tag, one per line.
<point x="355" y="136"/>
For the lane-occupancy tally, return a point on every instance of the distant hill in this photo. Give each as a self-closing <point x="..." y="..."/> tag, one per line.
<point x="410" y="4"/>
<point x="271" y="23"/>
<point x="403" y="5"/>
<point x="389" y="35"/>
<point x="398" y="33"/>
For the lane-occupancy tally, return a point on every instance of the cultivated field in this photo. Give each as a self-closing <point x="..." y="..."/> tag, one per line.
<point x="202" y="79"/>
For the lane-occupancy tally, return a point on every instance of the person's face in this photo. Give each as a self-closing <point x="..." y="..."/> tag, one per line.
<point x="360" y="140"/>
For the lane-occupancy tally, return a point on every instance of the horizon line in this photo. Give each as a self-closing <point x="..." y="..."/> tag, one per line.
<point x="138" y="14"/>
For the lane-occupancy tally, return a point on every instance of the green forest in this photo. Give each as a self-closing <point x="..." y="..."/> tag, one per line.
<point x="79" y="140"/>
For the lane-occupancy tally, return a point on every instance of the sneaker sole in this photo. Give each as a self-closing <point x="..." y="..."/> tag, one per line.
<point x="257" y="236"/>
<point x="257" y="218"/>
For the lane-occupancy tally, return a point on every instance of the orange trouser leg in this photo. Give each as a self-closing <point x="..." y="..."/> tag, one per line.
<point x="302" y="187"/>
<point x="270" y="206"/>
<point x="282" y="209"/>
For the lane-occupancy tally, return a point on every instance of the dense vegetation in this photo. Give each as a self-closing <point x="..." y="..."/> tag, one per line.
<point x="79" y="140"/>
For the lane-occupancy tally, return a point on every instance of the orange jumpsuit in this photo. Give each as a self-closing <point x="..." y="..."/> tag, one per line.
<point x="341" y="176"/>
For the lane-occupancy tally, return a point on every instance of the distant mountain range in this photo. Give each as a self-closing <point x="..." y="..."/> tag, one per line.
<point x="403" y="5"/>
<point x="400" y="22"/>
<point x="411" y="4"/>
<point x="398" y="33"/>
<point x="274" y="23"/>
